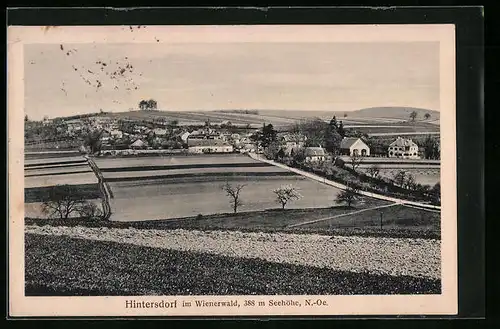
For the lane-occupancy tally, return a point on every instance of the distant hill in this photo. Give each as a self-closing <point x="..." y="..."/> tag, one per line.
<point x="394" y="113"/>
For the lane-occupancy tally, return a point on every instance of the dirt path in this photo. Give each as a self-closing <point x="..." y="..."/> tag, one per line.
<point x="106" y="207"/>
<point x="343" y="215"/>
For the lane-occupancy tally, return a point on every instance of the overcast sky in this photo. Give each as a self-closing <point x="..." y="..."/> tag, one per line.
<point x="211" y="76"/>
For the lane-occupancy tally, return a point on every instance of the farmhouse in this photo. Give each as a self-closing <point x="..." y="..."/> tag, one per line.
<point x="208" y="146"/>
<point x="354" y="146"/>
<point x="403" y="148"/>
<point x="314" y="154"/>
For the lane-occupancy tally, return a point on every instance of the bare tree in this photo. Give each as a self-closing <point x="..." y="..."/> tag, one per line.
<point x="355" y="160"/>
<point x="63" y="200"/>
<point x="233" y="192"/>
<point x="413" y="115"/>
<point x="285" y="194"/>
<point x="349" y="196"/>
<point x="374" y="171"/>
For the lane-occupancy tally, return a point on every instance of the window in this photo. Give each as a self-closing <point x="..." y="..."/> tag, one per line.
<point x="390" y="153"/>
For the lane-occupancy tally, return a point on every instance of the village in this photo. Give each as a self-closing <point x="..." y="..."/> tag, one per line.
<point x="122" y="137"/>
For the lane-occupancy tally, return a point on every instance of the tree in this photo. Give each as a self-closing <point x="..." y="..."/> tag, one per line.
<point x="285" y="194"/>
<point x="62" y="201"/>
<point x="26" y="119"/>
<point x="436" y="192"/>
<point x="374" y="171"/>
<point x="345" y="115"/>
<point x="89" y="210"/>
<point x="298" y="155"/>
<point x="271" y="151"/>
<point x="410" y="182"/>
<point x="268" y="135"/>
<point x="233" y="192"/>
<point x="413" y="115"/>
<point x="333" y="123"/>
<point x="431" y="148"/>
<point x="152" y="104"/>
<point x="143" y="105"/>
<point x="355" y="160"/>
<point x="281" y="153"/>
<point x="427" y="116"/>
<point x="341" y="130"/>
<point x="93" y="141"/>
<point x="400" y="178"/>
<point x="349" y="196"/>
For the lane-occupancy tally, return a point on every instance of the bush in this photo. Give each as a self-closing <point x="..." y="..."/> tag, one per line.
<point x="199" y="217"/>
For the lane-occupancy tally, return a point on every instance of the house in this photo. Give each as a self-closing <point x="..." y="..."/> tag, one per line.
<point x="160" y="132"/>
<point x="248" y="147"/>
<point x="354" y="146"/>
<point x="208" y="146"/>
<point x="403" y="148"/>
<point x="292" y="142"/>
<point x="184" y="136"/>
<point x="138" y="144"/>
<point x="314" y="154"/>
<point x="117" y="134"/>
<point x="105" y="136"/>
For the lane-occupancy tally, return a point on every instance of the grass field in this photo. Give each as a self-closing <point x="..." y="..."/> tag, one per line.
<point x="63" y="266"/>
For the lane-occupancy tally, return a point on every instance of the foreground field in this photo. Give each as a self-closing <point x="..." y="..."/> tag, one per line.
<point x="60" y="265"/>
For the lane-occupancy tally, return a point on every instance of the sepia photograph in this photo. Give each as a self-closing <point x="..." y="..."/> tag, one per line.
<point x="264" y="161"/>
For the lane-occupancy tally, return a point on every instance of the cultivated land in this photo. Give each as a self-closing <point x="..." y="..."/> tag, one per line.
<point x="60" y="265"/>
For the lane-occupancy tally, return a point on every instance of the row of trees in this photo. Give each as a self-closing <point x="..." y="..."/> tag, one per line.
<point x="145" y="105"/>
<point x="414" y="115"/>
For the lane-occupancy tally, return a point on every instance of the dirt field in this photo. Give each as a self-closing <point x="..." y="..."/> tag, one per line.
<point x="163" y="199"/>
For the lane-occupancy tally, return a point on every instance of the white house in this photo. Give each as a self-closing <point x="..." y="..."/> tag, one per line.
<point x="314" y="154"/>
<point x="160" y="132"/>
<point x="354" y="146"/>
<point x="116" y="134"/>
<point x="185" y="136"/>
<point x="208" y="146"/>
<point x="403" y="148"/>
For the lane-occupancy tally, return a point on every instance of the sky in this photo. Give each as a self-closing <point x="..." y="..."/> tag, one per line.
<point x="319" y="76"/>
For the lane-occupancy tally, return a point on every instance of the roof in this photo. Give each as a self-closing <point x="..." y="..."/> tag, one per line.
<point x="314" y="151"/>
<point x="206" y="142"/>
<point x="403" y="142"/>
<point x="347" y="142"/>
<point x="138" y="143"/>
<point x="293" y="138"/>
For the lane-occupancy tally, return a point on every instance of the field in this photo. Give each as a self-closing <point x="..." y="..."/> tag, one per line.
<point x="61" y="265"/>
<point x="42" y="171"/>
<point x="190" y="185"/>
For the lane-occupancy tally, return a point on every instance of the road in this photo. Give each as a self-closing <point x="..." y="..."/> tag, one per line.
<point x="342" y="186"/>
<point x="106" y="207"/>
